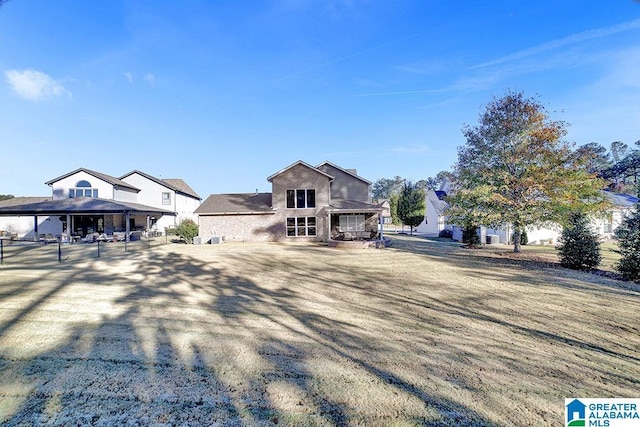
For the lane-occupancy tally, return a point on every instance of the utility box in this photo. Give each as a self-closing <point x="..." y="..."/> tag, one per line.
<point x="216" y="240"/>
<point x="493" y="239"/>
<point x="198" y="240"/>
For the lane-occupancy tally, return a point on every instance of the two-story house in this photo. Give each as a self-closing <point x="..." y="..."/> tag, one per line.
<point x="85" y="202"/>
<point x="170" y="194"/>
<point x="306" y="203"/>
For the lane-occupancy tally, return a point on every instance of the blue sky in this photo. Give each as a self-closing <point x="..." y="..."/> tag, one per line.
<point x="224" y="93"/>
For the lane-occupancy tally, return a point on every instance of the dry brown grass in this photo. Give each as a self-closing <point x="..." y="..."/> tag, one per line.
<point x="423" y="333"/>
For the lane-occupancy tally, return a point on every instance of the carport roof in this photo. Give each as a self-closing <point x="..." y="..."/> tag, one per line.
<point x="343" y="205"/>
<point x="78" y="206"/>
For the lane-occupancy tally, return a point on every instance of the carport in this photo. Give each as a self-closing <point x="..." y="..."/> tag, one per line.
<point x="85" y="210"/>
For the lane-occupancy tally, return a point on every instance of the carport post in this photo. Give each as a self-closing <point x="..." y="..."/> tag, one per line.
<point x="60" y="250"/>
<point x="35" y="228"/>
<point x="98" y="248"/>
<point x="1" y="251"/>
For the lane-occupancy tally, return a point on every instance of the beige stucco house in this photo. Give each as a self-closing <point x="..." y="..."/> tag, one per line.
<point x="306" y="203"/>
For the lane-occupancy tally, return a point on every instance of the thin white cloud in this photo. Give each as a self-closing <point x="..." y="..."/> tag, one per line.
<point x="35" y="85"/>
<point x="150" y="78"/>
<point x="565" y="41"/>
<point x="128" y="76"/>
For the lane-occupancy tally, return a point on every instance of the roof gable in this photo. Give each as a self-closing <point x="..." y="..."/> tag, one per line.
<point x="116" y="182"/>
<point x="177" y="185"/>
<point x="351" y="172"/>
<point x="299" y="162"/>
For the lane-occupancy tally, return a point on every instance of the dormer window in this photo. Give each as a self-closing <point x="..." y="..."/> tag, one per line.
<point x="301" y="199"/>
<point x="83" y="189"/>
<point x="166" y="198"/>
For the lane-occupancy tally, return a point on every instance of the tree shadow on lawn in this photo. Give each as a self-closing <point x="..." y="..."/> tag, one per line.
<point x="605" y="349"/>
<point x="186" y="342"/>
<point x="486" y="262"/>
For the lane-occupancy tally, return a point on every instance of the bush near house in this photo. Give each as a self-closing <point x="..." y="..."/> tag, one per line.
<point x="187" y="230"/>
<point x="579" y="247"/>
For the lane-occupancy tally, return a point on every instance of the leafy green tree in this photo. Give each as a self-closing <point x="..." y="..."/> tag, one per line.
<point x="516" y="168"/>
<point x="579" y="247"/>
<point x="384" y="188"/>
<point x="596" y="158"/>
<point x="470" y="236"/>
<point x="6" y="196"/>
<point x="628" y="235"/>
<point x="411" y="205"/>
<point x="393" y="208"/>
<point x="187" y="230"/>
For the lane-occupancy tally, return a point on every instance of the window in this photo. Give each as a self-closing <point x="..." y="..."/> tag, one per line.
<point x="351" y="222"/>
<point x="166" y="198"/>
<point x="301" y="199"/>
<point x="608" y="225"/>
<point x="301" y="226"/>
<point x="83" y="189"/>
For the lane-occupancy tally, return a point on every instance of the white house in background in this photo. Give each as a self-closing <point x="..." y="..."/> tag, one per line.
<point x="603" y="225"/>
<point x="436" y="221"/>
<point x="170" y="194"/>
<point x="434" y="218"/>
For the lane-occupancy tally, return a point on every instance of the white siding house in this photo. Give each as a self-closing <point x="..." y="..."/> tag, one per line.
<point x="171" y="194"/>
<point x="154" y="203"/>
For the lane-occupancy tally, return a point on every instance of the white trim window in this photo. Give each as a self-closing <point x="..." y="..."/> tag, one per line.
<point x="301" y="199"/>
<point x="351" y="223"/>
<point x="83" y="189"/>
<point x="166" y="198"/>
<point x="301" y="226"/>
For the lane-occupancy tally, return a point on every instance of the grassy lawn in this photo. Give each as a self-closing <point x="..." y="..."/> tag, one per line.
<point x="549" y="253"/>
<point x="424" y="332"/>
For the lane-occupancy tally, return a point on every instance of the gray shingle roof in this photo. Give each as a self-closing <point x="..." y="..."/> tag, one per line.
<point x="177" y="185"/>
<point x="621" y="200"/>
<point x="354" y="205"/>
<point x="103" y="176"/>
<point x="22" y="200"/>
<point x="240" y="203"/>
<point x="181" y="187"/>
<point x="78" y="205"/>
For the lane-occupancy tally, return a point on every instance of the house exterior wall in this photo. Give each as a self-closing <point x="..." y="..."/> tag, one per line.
<point x="433" y="222"/>
<point x="250" y="227"/>
<point x="301" y="177"/>
<point x="151" y="195"/>
<point x="184" y="207"/>
<point x="61" y="188"/>
<point x="124" y="195"/>
<point x="23" y="225"/>
<point x="150" y="191"/>
<point x="346" y="186"/>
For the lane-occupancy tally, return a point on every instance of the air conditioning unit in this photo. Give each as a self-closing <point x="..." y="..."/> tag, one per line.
<point x="216" y="240"/>
<point x="198" y="240"/>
